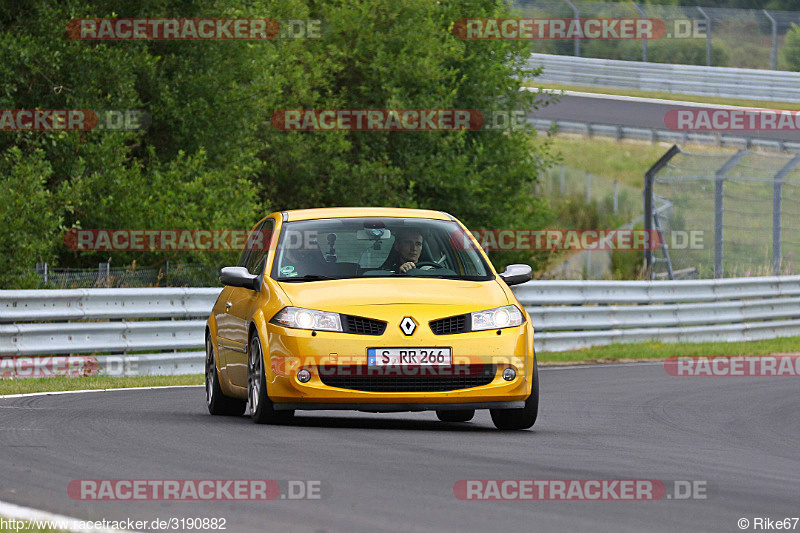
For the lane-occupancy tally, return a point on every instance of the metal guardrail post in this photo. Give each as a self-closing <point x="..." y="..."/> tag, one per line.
<point x="719" y="180"/>
<point x="777" y="193"/>
<point x="649" y="176"/>
<point x="708" y="36"/>
<point x="774" y="53"/>
<point x="577" y="15"/>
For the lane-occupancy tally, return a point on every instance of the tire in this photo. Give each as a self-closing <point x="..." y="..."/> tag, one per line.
<point x="524" y="418"/>
<point x="262" y="409"/>
<point x="459" y="415"/>
<point x="218" y="403"/>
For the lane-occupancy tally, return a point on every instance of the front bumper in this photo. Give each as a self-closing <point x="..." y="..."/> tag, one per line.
<point x="397" y="407"/>
<point x="292" y="349"/>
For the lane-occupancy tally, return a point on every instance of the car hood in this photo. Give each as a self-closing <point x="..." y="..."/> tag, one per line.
<point x="340" y="295"/>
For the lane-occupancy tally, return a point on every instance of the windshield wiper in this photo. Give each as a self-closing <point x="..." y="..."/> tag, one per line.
<point x="307" y="277"/>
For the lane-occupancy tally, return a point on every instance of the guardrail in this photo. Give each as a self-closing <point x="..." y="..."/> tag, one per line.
<point x="682" y="79"/>
<point x="118" y="321"/>
<point x="569" y="315"/>
<point x="566" y="315"/>
<point x="620" y="131"/>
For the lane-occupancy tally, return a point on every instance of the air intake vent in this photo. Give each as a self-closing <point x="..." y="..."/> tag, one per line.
<point x="362" y="326"/>
<point x="362" y="378"/>
<point x="450" y="325"/>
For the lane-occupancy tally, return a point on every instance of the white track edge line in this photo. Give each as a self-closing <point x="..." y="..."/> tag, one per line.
<point x="599" y="365"/>
<point x="604" y="96"/>
<point x="95" y="390"/>
<point x="18" y="512"/>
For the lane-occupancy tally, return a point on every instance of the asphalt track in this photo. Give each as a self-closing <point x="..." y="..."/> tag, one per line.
<point x="395" y="472"/>
<point x="634" y="112"/>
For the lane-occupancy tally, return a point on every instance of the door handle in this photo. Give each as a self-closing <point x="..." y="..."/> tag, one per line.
<point x="228" y="305"/>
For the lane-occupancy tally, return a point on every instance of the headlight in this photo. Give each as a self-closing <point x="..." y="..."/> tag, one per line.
<point x="299" y="318"/>
<point x="497" y="318"/>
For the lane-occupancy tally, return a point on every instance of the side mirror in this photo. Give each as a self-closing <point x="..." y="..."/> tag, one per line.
<point x="240" y="277"/>
<point x="516" y="274"/>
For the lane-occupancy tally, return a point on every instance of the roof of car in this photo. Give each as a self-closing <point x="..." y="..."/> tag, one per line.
<point x="345" y="212"/>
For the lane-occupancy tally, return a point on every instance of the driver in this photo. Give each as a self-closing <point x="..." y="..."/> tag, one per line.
<point x="405" y="251"/>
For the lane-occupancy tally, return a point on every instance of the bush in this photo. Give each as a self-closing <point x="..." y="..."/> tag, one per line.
<point x="790" y="53"/>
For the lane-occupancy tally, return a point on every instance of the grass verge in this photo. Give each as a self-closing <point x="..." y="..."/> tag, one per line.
<point x="624" y="161"/>
<point x="27" y="385"/>
<point x="658" y="350"/>
<point x="791" y="106"/>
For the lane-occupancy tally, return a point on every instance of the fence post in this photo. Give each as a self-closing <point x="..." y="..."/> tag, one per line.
<point x="708" y="36"/>
<point x="774" y="54"/>
<point x="576" y="14"/>
<point x="719" y="180"/>
<point x="649" y="176"/>
<point x="777" y="193"/>
<point x="588" y="188"/>
<point x="644" y="39"/>
<point x="616" y="196"/>
<point x="563" y="182"/>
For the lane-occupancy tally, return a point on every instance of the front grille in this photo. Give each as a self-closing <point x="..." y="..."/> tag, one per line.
<point x="450" y="325"/>
<point x="396" y="379"/>
<point x="362" y="326"/>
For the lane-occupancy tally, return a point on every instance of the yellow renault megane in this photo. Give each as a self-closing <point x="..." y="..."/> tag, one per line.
<point x="370" y="309"/>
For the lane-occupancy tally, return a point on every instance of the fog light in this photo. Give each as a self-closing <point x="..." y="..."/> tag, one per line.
<point x="509" y="374"/>
<point x="303" y="376"/>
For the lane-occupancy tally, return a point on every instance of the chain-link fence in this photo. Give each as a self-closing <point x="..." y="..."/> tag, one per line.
<point x="746" y="38"/>
<point x="734" y="214"/>
<point x="117" y="277"/>
<point x="612" y="199"/>
<point x="586" y="201"/>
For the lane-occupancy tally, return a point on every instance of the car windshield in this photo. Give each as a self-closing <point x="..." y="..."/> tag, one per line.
<point x="314" y="250"/>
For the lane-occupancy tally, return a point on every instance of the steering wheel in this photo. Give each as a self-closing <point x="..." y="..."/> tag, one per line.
<point x="428" y="264"/>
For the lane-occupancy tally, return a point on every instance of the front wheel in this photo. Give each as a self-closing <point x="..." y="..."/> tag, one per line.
<point x="262" y="410"/>
<point x="520" y="418"/>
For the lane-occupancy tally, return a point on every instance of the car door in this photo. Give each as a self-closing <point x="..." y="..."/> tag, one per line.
<point x="242" y="306"/>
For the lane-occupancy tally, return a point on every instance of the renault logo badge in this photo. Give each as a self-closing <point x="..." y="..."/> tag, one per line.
<point x="407" y="325"/>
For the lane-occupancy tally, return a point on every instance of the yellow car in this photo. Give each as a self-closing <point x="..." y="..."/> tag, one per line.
<point x="370" y="309"/>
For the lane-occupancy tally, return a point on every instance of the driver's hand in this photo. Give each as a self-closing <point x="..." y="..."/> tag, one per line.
<point x="405" y="267"/>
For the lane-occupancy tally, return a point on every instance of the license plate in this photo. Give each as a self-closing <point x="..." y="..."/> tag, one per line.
<point x="408" y="357"/>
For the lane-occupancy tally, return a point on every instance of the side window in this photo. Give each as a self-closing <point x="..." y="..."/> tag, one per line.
<point x="259" y="245"/>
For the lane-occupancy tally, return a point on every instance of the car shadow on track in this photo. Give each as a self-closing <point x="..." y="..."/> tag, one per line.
<point x="372" y="423"/>
<point x="386" y="423"/>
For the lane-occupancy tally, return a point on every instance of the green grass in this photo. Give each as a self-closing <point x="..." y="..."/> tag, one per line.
<point x="26" y="385"/>
<point x="624" y="161"/>
<point x="793" y="106"/>
<point x="600" y="354"/>
<point x="658" y="350"/>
